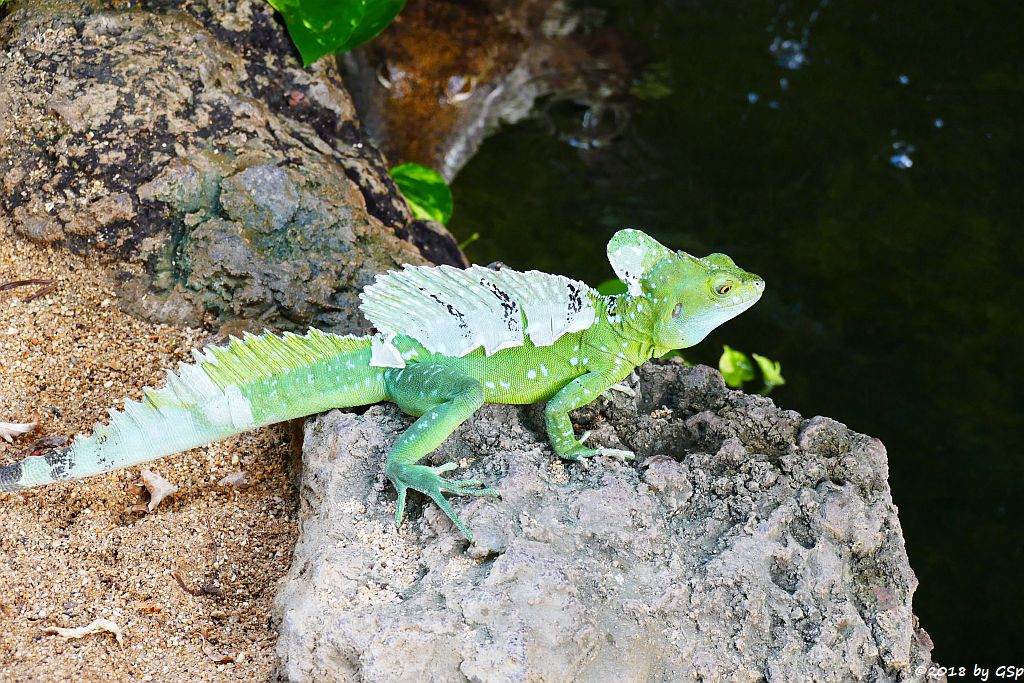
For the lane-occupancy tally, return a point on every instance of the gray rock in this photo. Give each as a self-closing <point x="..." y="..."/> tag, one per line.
<point x="188" y="139"/>
<point x="745" y="543"/>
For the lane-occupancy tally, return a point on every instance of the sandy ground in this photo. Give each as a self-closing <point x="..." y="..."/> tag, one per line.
<point x="78" y="551"/>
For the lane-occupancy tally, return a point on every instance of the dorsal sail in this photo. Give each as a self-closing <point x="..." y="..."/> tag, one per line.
<point x="452" y="311"/>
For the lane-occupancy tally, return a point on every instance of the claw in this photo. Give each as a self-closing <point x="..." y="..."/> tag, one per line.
<point x="400" y="505"/>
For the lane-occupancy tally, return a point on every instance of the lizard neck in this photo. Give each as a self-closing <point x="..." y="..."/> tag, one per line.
<point x="627" y="321"/>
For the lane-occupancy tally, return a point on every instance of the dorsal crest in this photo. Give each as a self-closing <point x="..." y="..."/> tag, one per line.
<point x="632" y="254"/>
<point x="454" y="312"/>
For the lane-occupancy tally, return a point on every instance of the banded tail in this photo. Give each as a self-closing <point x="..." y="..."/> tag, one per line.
<point x="248" y="383"/>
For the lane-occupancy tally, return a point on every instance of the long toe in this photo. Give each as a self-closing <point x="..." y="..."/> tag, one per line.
<point x="466" y="482"/>
<point x="617" y="453"/>
<point x="447" y="509"/>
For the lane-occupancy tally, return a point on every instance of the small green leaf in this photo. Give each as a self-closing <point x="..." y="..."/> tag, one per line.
<point x="425" y="190"/>
<point x="321" y="27"/>
<point x="469" y="240"/>
<point x="654" y="83"/>
<point x="735" y="367"/>
<point x="771" y="371"/>
<point x="613" y="286"/>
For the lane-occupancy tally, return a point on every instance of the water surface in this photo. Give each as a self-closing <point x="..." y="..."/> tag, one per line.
<point x="867" y="159"/>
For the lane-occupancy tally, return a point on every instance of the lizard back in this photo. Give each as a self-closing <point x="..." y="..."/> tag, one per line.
<point x="453" y="312"/>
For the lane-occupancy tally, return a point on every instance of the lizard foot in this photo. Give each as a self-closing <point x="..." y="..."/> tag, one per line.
<point x="428" y="480"/>
<point x="621" y="387"/>
<point x="583" y="452"/>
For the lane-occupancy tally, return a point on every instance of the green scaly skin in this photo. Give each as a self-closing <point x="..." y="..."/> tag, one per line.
<point x="676" y="300"/>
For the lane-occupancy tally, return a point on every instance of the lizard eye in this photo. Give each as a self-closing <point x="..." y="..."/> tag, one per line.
<point x="722" y="290"/>
<point x="677" y="311"/>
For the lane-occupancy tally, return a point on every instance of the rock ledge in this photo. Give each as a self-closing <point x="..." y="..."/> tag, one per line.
<point x="747" y="543"/>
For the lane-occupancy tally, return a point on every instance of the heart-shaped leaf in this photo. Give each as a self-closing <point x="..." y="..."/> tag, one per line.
<point x="425" y="190"/>
<point x="321" y="27"/>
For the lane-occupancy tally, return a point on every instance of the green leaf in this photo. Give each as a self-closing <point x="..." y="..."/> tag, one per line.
<point x="378" y="15"/>
<point x="771" y="371"/>
<point x="425" y="190"/>
<point x="613" y="286"/>
<point x="321" y="27"/>
<point x="735" y="367"/>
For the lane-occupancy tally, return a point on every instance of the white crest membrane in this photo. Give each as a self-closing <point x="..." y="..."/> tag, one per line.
<point x="453" y="312"/>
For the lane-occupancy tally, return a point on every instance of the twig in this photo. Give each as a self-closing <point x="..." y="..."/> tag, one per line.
<point x="42" y="292"/>
<point x="23" y="283"/>
<point x="181" y="582"/>
<point x="46" y="442"/>
<point x="50" y="286"/>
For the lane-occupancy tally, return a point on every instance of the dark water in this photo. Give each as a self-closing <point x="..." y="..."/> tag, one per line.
<point x="872" y="170"/>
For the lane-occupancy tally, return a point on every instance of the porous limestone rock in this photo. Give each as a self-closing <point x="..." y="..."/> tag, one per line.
<point x="744" y="544"/>
<point x="186" y="136"/>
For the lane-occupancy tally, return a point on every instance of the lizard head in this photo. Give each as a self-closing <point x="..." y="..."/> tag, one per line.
<point x="691" y="295"/>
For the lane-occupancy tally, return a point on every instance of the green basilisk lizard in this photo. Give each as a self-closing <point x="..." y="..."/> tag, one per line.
<point x="448" y="341"/>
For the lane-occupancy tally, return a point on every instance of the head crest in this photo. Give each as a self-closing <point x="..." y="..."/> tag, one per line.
<point x="633" y="254"/>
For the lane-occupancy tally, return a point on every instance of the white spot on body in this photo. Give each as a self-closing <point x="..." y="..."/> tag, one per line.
<point x="574" y="361"/>
<point x="531" y="374"/>
<point x="504" y="384"/>
<point x="543" y="370"/>
<point x="489" y="385"/>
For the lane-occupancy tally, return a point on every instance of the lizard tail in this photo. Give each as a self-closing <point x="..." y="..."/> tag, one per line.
<point x="229" y="389"/>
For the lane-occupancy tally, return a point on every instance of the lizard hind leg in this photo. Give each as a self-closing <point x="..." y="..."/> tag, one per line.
<point x="442" y="399"/>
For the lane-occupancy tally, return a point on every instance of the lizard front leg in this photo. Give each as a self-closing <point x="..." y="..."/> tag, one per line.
<point x="443" y="399"/>
<point x="573" y="395"/>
